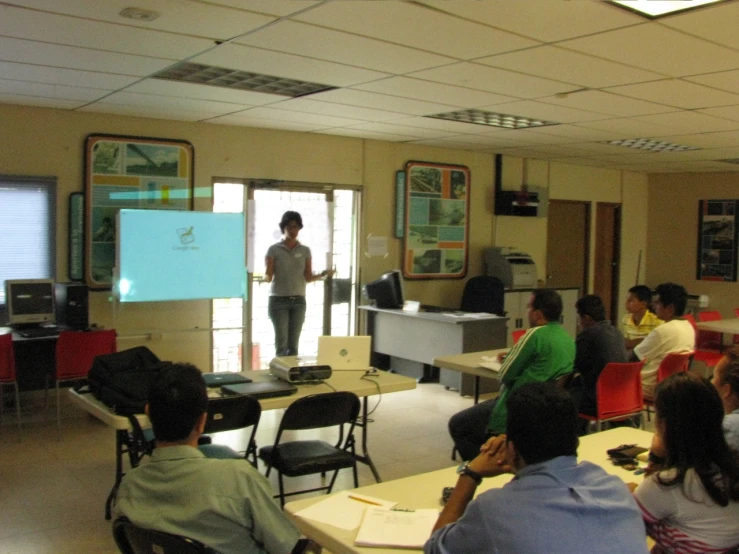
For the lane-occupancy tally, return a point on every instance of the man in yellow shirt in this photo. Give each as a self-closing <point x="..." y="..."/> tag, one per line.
<point x="639" y="321"/>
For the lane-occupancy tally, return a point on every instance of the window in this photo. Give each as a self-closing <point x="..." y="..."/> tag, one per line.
<point x="27" y="229"/>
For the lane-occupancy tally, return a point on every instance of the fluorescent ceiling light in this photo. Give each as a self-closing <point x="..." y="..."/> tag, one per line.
<point x="658" y="8"/>
<point x="650" y="145"/>
<point x="493" y="119"/>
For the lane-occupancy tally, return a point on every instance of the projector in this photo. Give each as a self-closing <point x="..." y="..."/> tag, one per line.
<point x="298" y="369"/>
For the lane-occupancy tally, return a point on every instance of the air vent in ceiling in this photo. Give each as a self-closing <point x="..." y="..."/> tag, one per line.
<point x="650" y="145"/>
<point x="493" y="119"/>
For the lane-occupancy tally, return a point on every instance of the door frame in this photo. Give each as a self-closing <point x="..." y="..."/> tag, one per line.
<point x="616" y="260"/>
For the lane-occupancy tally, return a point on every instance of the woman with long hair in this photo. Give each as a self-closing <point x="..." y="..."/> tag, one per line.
<point x="690" y="498"/>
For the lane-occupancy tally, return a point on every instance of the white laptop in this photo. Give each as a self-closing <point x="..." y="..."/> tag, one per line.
<point x="345" y="352"/>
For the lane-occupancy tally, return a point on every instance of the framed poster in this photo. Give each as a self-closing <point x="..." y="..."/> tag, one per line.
<point x="717" y="240"/>
<point x="437" y="208"/>
<point x="129" y="172"/>
<point x="75" y="262"/>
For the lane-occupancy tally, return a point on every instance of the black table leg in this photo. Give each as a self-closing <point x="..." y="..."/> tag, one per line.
<point x="365" y="457"/>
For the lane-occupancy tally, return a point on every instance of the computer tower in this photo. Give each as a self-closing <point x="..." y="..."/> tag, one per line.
<point x="72" y="305"/>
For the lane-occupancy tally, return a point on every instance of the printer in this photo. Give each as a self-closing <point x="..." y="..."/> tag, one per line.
<point x="516" y="269"/>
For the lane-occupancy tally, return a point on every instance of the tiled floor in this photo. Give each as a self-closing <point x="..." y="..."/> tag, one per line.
<point x="52" y="493"/>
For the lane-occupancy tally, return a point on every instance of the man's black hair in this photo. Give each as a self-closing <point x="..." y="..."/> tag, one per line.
<point x="542" y="422"/>
<point x="548" y="302"/>
<point x="643" y="293"/>
<point x="177" y="398"/>
<point x="289" y="216"/>
<point x="591" y="305"/>
<point x="674" y="295"/>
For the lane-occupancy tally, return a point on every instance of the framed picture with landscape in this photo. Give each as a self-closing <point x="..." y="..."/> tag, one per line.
<point x="437" y="207"/>
<point x="717" y="240"/>
<point x="129" y="172"/>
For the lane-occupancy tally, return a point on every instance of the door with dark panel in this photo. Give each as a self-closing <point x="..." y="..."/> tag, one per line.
<point x="607" y="255"/>
<point x="568" y="244"/>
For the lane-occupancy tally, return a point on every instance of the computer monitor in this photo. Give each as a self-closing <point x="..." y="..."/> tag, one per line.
<point x="30" y="301"/>
<point x="387" y="291"/>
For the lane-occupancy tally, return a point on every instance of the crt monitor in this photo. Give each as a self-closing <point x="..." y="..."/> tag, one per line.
<point x="29" y="301"/>
<point x="387" y="291"/>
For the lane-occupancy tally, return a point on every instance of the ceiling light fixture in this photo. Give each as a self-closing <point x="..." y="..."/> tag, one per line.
<point x="492" y="119"/>
<point x="650" y="145"/>
<point x="652" y="9"/>
<point x="188" y="72"/>
<point x="139" y="14"/>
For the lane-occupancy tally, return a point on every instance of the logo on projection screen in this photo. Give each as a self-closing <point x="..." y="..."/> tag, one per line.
<point x="186" y="235"/>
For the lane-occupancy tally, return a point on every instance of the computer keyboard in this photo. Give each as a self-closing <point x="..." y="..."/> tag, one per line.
<point x="39" y="332"/>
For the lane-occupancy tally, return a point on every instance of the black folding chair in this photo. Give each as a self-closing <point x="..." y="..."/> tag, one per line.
<point x="306" y="457"/>
<point x="229" y="414"/>
<point x="131" y="539"/>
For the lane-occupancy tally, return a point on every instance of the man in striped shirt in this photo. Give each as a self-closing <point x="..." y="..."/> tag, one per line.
<point x="545" y="353"/>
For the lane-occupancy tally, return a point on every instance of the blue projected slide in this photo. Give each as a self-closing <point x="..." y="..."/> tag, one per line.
<point x="180" y="255"/>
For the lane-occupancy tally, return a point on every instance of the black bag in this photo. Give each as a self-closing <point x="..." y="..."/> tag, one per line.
<point x="121" y="380"/>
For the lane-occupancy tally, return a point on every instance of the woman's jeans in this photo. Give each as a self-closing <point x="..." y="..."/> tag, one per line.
<point x="287" y="314"/>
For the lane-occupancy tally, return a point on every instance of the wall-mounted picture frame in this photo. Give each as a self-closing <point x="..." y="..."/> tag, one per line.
<point x="76" y="259"/>
<point x="717" y="240"/>
<point x="129" y="172"/>
<point x="437" y="209"/>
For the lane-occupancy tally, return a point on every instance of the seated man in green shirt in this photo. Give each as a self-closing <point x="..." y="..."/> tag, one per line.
<point x="225" y="504"/>
<point x="545" y="353"/>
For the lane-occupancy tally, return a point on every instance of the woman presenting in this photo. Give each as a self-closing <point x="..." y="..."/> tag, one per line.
<point x="288" y="269"/>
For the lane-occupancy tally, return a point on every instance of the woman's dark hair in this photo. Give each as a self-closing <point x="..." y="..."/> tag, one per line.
<point x="289" y="216"/>
<point x="690" y="409"/>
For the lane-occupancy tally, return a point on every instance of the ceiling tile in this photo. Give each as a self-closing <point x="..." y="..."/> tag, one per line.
<point x="726" y="112"/>
<point x="355" y="113"/>
<point x="451" y="127"/>
<point x="393" y="129"/>
<point x="715" y="23"/>
<point x="624" y="128"/>
<point x="678" y="93"/>
<point x="659" y="49"/>
<point x="60" y="76"/>
<point x="241" y="120"/>
<point x="154" y="112"/>
<point x="31" y="52"/>
<point x="246" y="58"/>
<point x="325" y="44"/>
<point x="607" y="103"/>
<point x="74" y="31"/>
<point x="416" y="26"/>
<point x="171" y="102"/>
<point x="571" y="133"/>
<point x="443" y="143"/>
<point x="204" y="92"/>
<point x="324" y="120"/>
<point x="177" y="16"/>
<point x="543" y="20"/>
<point x="724" y="80"/>
<point x="493" y="80"/>
<point x="500" y="140"/>
<point x="572" y="67"/>
<point x="358" y="133"/>
<point x="407" y="87"/>
<point x="26" y="88"/>
<point x="690" y="122"/>
<point x="40" y="102"/>
<point x="549" y="112"/>
<point x="704" y="140"/>
<point x="381" y="102"/>
<point x="272" y="7"/>
<point x="530" y="136"/>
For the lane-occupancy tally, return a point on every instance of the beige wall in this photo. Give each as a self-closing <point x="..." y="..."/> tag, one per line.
<point x="41" y="141"/>
<point x="673" y="232"/>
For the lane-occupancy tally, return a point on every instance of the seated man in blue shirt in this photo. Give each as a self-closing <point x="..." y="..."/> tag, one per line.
<point x="553" y="504"/>
<point x="225" y="504"/>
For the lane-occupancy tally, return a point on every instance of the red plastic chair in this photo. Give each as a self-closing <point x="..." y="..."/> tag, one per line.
<point x="736" y="337"/>
<point x="7" y="375"/>
<point x="709" y="356"/>
<point x="618" y="393"/>
<point x="517" y="335"/>
<point x="671" y="364"/>
<point x="75" y="352"/>
<point x="707" y="340"/>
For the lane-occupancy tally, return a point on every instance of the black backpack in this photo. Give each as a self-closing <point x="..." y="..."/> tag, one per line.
<point x="121" y="380"/>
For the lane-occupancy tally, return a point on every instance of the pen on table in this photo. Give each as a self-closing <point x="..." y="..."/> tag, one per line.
<point x="364" y="500"/>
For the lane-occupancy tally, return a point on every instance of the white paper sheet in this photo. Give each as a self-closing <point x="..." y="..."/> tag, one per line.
<point x="342" y="511"/>
<point x="382" y="527"/>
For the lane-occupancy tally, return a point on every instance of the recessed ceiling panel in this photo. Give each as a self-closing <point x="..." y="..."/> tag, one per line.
<point x="611" y="104"/>
<point x="715" y="23"/>
<point x="172" y="102"/>
<point x="416" y="26"/>
<point x="380" y="102"/>
<point x="308" y="105"/>
<point x="59" y="76"/>
<point x="325" y="44"/>
<point x="39" y="101"/>
<point x="203" y="92"/>
<point x="678" y="93"/>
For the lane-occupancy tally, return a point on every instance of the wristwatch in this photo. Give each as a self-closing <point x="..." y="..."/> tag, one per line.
<point x="464" y="469"/>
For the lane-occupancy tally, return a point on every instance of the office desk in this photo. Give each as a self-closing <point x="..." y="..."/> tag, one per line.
<point x="424" y="491"/>
<point x="350" y="381"/>
<point x="469" y="364"/>
<point x="35" y="358"/>
<point x="421" y="337"/>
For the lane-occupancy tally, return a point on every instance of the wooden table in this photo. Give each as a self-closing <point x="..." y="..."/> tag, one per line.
<point x="469" y="364"/>
<point x="128" y="442"/>
<point x="424" y="491"/>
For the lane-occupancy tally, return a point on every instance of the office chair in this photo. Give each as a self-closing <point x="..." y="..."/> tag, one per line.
<point x="483" y="293"/>
<point x="517" y="334"/>
<point x="8" y="377"/>
<point x="75" y="351"/>
<point x="131" y="539"/>
<point x="229" y="414"/>
<point x="671" y="364"/>
<point x="618" y="393"/>
<point x="306" y="457"/>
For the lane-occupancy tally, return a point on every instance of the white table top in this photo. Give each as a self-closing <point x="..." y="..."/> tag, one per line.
<point x="351" y="381"/>
<point x="470" y="362"/>
<point x="424" y="491"/>
<point x="454" y="317"/>
<point x="727" y="326"/>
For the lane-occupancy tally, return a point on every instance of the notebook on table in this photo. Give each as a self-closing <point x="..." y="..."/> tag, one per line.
<point x="345" y="352"/>
<point x="225" y="378"/>
<point x="264" y="389"/>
